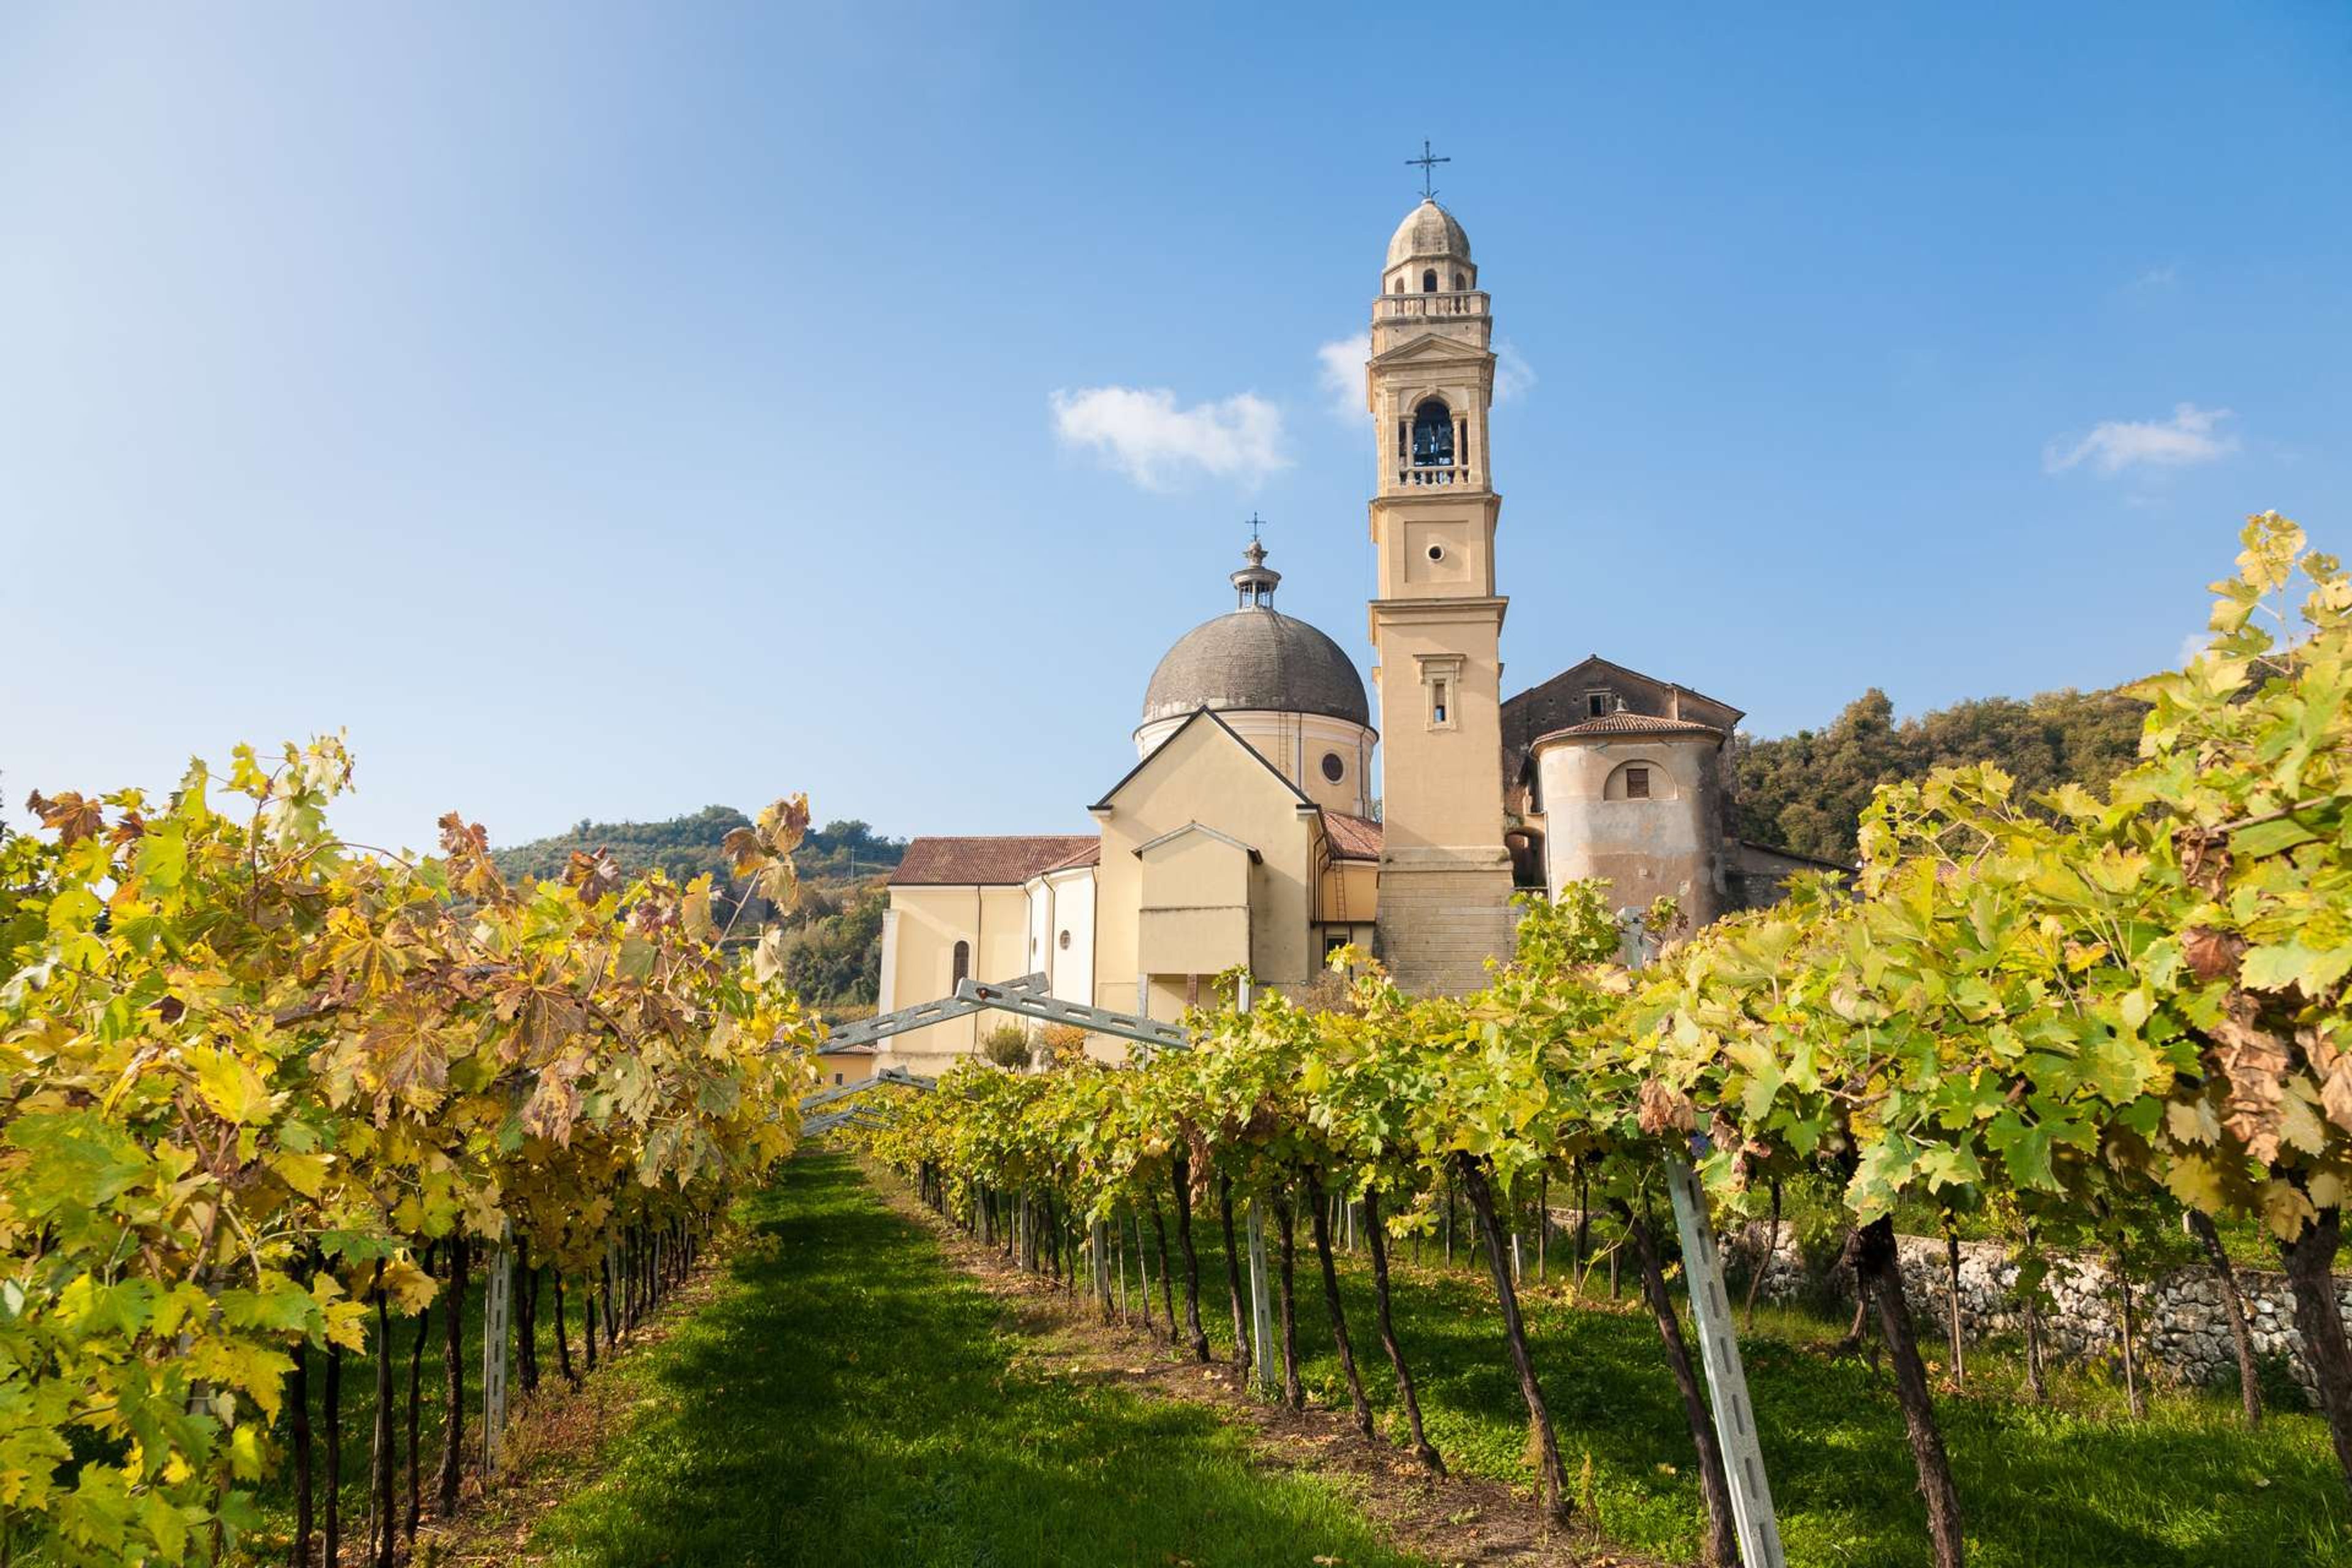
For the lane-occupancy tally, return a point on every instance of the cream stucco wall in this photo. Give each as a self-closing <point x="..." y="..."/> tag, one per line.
<point x="1348" y="893"/>
<point x="1671" y="844"/>
<point x="1203" y="774"/>
<point x="1296" y="743"/>
<point x="928" y="922"/>
<point x="1066" y="900"/>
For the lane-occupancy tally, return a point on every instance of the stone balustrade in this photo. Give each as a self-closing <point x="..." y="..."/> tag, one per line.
<point x="1415" y="306"/>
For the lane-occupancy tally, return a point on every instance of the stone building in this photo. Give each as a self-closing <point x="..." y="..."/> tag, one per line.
<point x="1246" y="833"/>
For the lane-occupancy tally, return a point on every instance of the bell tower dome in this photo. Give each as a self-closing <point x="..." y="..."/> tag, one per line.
<point x="1437" y="620"/>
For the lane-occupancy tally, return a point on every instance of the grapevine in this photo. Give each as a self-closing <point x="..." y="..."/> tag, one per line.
<point x="253" y="1078"/>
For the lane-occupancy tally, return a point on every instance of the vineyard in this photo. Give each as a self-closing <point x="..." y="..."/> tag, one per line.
<point x="279" y="1107"/>
<point x="2074" y="1015"/>
<point x="269" y="1094"/>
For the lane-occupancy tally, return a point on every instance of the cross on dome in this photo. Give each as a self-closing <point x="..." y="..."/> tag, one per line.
<point x="1428" y="168"/>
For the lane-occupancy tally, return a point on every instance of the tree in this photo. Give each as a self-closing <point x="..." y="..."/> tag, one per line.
<point x="1807" y="791"/>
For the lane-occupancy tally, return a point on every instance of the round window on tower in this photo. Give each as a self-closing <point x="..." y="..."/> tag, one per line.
<point x="1437" y="553"/>
<point x="1334" y="768"/>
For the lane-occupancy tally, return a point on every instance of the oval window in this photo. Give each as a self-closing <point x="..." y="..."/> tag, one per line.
<point x="1334" y="768"/>
<point x="1066" y="941"/>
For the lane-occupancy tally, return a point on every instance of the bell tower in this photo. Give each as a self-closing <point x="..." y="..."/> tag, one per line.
<point x="1437" y="621"/>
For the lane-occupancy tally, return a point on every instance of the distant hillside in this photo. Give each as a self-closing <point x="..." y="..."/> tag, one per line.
<point x="686" y="846"/>
<point x="833" y="942"/>
<point x="1806" y="792"/>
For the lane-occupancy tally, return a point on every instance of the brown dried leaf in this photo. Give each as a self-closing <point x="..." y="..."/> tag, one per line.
<point x="461" y="840"/>
<point x="2211" y="954"/>
<point x="2333" y="1068"/>
<point x="1663" y="1107"/>
<point x="594" y="875"/>
<point x="742" y="847"/>
<point x="555" y="1102"/>
<point x="2255" y="1063"/>
<point x="73" y="818"/>
<point x="785" y="823"/>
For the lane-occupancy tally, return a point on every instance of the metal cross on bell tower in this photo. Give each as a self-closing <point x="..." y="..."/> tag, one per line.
<point x="1428" y="169"/>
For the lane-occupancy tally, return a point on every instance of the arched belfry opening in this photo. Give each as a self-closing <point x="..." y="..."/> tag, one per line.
<point x="1432" y="435"/>
<point x="1429" y="281"/>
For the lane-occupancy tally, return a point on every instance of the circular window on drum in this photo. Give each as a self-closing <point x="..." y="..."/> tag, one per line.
<point x="1335" y="767"/>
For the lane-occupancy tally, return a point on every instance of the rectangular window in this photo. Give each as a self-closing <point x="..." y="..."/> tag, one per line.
<point x="1637" y="783"/>
<point x="1332" y="942"/>
<point x="1596" y="703"/>
<point x="1439" y="672"/>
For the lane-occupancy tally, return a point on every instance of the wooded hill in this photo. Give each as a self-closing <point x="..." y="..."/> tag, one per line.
<point x="1805" y="792"/>
<point x="833" y="941"/>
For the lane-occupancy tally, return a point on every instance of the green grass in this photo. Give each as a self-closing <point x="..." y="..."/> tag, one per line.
<point x="2075" y="1483"/>
<point x="849" y="1398"/>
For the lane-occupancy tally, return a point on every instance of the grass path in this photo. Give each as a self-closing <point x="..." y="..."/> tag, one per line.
<point x="2075" y="1482"/>
<point x="847" y="1398"/>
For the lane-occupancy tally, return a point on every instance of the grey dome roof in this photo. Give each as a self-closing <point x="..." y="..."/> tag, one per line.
<point x="1428" y="230"/>
<point x="1261" y="660"/>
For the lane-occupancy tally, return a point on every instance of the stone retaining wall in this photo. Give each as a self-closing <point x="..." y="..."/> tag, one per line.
<point x="2182" y="1327"/>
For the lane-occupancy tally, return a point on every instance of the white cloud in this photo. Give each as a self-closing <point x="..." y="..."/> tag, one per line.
<point x="2192" y="648"/>
<point x="2190" y="436"/>
<point x="1141" y="432"/>
<point x="1340" y="372"/>
<point x="1343" y="372"/>
<point x="2157" y="277"/>
<point x="1514" y="376"/>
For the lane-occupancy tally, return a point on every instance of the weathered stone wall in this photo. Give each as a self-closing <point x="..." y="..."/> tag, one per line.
<point x="2182" y="1327"/>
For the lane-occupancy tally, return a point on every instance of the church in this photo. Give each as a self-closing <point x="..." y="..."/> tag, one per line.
<point x="1252" y="830"/>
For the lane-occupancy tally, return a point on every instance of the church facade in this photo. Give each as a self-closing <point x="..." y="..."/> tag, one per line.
<point x="1251" y="831"/>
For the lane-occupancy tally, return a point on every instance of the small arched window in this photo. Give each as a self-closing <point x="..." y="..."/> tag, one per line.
<point x="1644" y="780"/>
<point x="962" y="963"/>
<point x="1461" y="283"/>
<point x="1432" y="436"/>
<point x="1429" y="282"/>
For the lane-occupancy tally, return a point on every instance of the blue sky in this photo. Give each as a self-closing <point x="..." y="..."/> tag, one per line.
<point x="604" y="412"/>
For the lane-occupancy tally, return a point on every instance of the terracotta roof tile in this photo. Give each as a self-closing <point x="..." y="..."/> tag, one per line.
<point x="1007" y="859"/>
<point x="1089" y="856"/>
<point x="1353" y="838"/>
<point x="1625" y="724"/>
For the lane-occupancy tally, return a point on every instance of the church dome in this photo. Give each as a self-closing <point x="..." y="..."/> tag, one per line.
<point x="1429" y="230"/>
<point x="1257" y="660"/>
